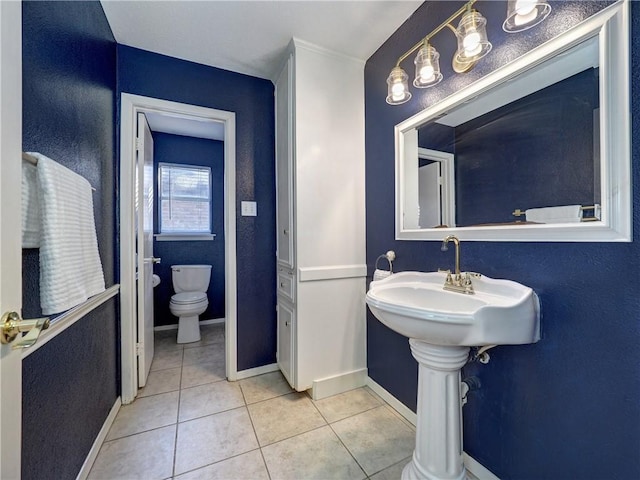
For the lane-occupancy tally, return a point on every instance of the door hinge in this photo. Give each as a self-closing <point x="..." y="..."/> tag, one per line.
<point x="139" y="349"/>
<point x="138" y="144"/>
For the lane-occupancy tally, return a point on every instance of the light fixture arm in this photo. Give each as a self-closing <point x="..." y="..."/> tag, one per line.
<point x="447" y="23"/>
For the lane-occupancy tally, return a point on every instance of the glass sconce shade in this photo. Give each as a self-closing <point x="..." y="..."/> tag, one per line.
<point x="398" y="87"/>
<point x="524" y="14"/>
<point x="472" y="38"/>
<point x="427" y="67"/>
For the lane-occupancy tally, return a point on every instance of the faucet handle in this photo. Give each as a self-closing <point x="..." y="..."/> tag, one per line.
<point x="448" y="280"/>
<point x="474" y="274"/>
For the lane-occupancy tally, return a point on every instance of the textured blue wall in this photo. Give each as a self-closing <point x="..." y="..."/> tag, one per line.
<point x="153" y="75"/>
<point x="207" y="153"/>
<point x="567" y="406"/>
<point x="535" y="152"/>
<point x="69" y="80"/>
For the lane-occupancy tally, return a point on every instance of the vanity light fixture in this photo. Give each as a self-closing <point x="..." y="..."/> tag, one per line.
<point x="473" y="45"/>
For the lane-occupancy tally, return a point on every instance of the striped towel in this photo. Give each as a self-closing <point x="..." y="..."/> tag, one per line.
<point x="70" y="267"/>
<point x="30" y="207"/>
<point x="564" y="214"/>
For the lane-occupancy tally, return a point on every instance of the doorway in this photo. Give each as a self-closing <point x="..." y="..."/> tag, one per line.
<point x="209" y="119"/>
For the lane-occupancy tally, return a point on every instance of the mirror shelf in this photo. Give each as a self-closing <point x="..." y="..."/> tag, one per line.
<point x="600" y="44"/>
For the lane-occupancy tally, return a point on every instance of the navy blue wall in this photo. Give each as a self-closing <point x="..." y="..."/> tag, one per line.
<point x="153" y="75"/>
<point x="567" y="406"/>
<point x="69" y="79"/>
<point x="207" y="153"/>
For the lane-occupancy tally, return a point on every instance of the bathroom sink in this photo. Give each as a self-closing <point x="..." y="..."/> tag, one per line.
<point x="414" y="304"/>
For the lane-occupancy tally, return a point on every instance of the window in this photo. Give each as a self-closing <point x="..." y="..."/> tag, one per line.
<point x="185" y="199"/>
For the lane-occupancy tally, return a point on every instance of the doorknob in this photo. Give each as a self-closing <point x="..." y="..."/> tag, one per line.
<point x="153" y="260"/>
<point x="11" y="325"/>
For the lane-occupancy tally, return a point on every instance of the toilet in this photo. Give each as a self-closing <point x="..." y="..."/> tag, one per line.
<point x="190" y="283"/>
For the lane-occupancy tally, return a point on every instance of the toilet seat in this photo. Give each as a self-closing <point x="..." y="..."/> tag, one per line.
<point x="188" y="298"/>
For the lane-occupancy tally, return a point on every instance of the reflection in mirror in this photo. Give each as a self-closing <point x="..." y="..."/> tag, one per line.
<point x="536" y="151"/>
<point x="524" y="152"/>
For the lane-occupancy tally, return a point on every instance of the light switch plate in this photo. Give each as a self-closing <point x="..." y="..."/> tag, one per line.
<point x="249" y="209"/>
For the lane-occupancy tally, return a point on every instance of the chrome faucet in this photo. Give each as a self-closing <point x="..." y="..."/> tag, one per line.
<point x="445" y="247"/>
<point x="458" y="282"/>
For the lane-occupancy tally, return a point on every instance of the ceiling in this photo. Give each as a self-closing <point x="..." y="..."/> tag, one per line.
<point x="188" y="127"/>
<point x="250" y="37"/>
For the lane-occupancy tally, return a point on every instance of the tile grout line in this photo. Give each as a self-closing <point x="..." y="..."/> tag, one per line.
<point x="178" y="413"/>
<point x="217" y="462"/>
<point x="349" y="451"/>
<point x="381" y="403"/>
<point x="175" y="440"/>
<point x="246" y="405"/>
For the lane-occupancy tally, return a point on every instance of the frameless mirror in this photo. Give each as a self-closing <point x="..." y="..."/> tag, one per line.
<point x="538" y="150"/>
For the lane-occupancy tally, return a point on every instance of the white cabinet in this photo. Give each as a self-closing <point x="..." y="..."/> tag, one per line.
<point x="286" y="322"/>
<point x="284" y="165"/>
<point x="321" y="220"/>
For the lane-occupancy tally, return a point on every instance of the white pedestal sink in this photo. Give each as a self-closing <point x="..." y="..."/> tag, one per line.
<point x="441" y="326"/>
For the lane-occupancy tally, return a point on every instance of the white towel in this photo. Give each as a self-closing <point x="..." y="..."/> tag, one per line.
<point x="30" y="207"/>
<point x="70" y="267"/>
<point x="564" y="214"/>
<point x="380" y="274"/>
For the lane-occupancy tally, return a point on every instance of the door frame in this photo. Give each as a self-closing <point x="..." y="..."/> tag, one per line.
<point x="130" y="106"/>
<point x="10" y="238"/>
<point x="448" y="183"/>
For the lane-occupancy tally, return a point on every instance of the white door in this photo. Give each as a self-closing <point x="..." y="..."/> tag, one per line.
<point x="10" y="235"/>
<point x="429" y="195"/>
<point x="144" y="247"/>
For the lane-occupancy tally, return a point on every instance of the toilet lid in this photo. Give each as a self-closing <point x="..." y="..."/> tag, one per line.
<point x="188" y="297"/>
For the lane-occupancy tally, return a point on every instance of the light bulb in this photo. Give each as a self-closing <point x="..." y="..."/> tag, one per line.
<point x="520" y="20"/>
<point x="524" y="14"/>
<point x="471" y="44"/>
<point x="427" y="73"/>
<point x="525" y="7"/>
<point x="397" y="91"/>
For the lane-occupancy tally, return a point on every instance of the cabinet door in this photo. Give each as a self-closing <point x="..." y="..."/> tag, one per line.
<point x="284" y="165"/>
<point x="286" y="320"/>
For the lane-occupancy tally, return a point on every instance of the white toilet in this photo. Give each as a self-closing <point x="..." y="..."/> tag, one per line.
<point x="190" y="283"/>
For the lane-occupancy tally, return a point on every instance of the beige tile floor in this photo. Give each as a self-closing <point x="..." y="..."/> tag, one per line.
<point x="189" y="423"/>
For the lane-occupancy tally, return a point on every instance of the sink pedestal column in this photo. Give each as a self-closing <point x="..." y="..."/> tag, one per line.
<point x="438" y="453"/>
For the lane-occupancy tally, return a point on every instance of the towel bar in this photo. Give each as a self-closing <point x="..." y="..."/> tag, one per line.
<point x="34" y="161"/>
<point x="596" y="216"/>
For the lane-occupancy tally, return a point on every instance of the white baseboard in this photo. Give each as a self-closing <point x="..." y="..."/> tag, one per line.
<point x="476" y="468"/>
<point x="472" y="465"/>
<point x="326" y="387"/>
<point x="393" y="402"/>
<point x="95" y="448"/>
<point x="252" y="372"/>
<point x="174" y="326"/>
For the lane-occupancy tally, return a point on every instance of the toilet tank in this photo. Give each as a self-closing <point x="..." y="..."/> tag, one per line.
<point x="190" y="278"/>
